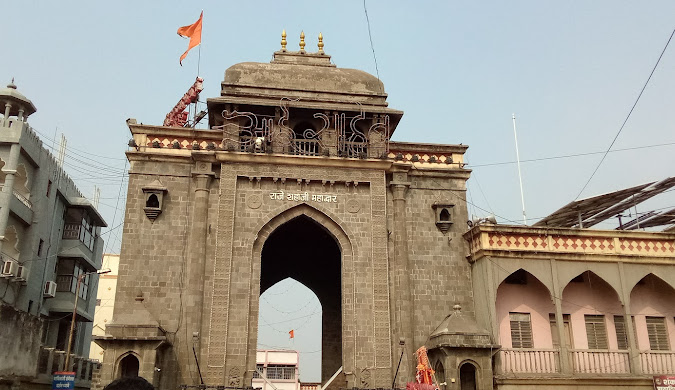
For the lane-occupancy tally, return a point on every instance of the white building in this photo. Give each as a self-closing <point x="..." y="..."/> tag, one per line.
<point x="105" y="302"/>
<point x="280" y="369"/>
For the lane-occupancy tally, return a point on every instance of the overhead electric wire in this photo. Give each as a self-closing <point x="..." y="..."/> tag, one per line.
<point x="370" y="36"/>
<point x="627" y="116"/>
<point x="44" y="136"/>
<point x="570" y="155"/>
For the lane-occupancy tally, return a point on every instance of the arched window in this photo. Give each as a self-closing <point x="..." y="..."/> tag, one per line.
<point x="129" y="366"/>
<point x="152" y="201"/>
<point x="445" y="215"/>
<point x="467" y="377"/>
<point x="440" y="375"/>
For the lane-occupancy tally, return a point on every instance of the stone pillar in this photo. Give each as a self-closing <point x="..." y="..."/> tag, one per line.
<point x="402" y="305"/>
<point x="8" y="188"/>
<point x="633" y="350"/>
<point x="331" y="339"/>
<point x="559" y="319"/>
<point x="196" y="265"/>
<point x="5" y="120"/>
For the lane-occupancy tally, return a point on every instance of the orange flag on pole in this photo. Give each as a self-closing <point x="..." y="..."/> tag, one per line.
<point x="291" y="334"/>
<point x="194" y="32"/>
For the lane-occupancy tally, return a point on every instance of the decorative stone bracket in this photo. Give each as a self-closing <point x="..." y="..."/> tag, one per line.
<point x="154" y="199"/>
<point x="443" y="213"/>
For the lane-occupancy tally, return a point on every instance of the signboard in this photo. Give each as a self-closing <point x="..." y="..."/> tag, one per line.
<point x="63" y="380"/>
<point x="664" y="382"/>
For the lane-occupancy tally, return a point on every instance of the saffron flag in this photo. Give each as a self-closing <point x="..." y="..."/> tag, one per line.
<point x="194" y="32"/>
<point x="291" y="334"/>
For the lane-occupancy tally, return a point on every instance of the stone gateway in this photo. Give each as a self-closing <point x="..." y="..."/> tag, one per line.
<point x="296" y="177"/>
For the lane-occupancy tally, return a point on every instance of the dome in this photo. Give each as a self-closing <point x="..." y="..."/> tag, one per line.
<point x="17" y="101"/>
<point x="308" y="77"/>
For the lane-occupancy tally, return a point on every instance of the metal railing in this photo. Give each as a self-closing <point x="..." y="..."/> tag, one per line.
<point x="530" y="360"/>
<point x="51" y="360"/>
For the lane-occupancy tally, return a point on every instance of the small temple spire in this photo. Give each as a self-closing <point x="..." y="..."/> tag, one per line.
<point x="320" y="44"/>
<point x="283" y="40"/>
<point x="302" y="42"/>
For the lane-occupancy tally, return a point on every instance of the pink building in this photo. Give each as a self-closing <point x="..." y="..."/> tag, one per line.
<point x="576" y="307"/>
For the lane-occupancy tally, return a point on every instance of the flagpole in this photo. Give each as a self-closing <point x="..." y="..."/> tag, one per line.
<point x="520" y="177"/>
<point x="199" y="58"/>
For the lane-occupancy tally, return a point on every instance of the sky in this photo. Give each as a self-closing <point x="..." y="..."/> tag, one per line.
<point x="570" y="71"/>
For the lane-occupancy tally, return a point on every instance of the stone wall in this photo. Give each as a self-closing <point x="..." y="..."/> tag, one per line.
<point x="20" y="340"/>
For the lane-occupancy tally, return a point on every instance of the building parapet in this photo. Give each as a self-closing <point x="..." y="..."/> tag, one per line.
<point x="570" y="244"/>
<point x="178" y="141"/>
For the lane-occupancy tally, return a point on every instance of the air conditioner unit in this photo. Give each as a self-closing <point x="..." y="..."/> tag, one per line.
<point x="21" y="274"/>
<point x="9" y="269"/>
<point x="50" y="289"/>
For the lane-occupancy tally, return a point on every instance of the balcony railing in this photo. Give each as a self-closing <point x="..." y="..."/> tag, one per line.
<point x="51" y="360"/>
<point x="547" y="361"/>
<point x="354" y="149"/>
<point x="530" y="360"/>
<point x="22" y="199"/>
<point x="306" y="147"/>
<point x="657" y="362"/>
<point x="600" y="362"/>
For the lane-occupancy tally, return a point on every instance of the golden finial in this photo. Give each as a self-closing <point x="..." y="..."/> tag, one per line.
<point x="302" y="42"/>
<point x="320" y="44"/>
<point x="283" y="40"/>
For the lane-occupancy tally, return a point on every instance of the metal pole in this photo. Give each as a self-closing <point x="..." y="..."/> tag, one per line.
<point x="72" y="321"/>
<point x="393" y="384"/>
<point x="520" y="177"/>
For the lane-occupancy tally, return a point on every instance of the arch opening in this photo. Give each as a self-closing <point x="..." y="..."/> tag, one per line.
<point x="440" y="375"/>
<point x="524" y="310"/>
<point x="302" y="251"/>
<point x="653" y="314"/>
<point x="595" y="311"/>
<point x="152" y="201"/>
<point x="129" y="366"/>
<point x="467" y="376"/>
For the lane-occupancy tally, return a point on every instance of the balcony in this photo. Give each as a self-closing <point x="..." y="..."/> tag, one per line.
<point x="52" y="360"/>
<point x="600" y="362"/>
<point x="657" y="362"/>
<point x="530" y="360"/>
<point x="20" y="206"/>
<point x="595" y="362"/>
<point x="305" y="147"/>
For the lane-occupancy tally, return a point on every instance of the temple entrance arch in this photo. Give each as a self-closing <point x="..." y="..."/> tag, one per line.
<point x="308" y="246"/>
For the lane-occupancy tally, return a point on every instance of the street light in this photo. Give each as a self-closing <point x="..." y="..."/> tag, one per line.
<point x="72" y="321"/>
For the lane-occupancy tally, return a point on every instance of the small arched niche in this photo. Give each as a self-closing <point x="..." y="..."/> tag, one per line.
<point x="154" y="199"/>
<point x="443" y="216"/>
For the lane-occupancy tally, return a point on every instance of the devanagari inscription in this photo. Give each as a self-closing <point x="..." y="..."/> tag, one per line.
<point x="303" y="197"/>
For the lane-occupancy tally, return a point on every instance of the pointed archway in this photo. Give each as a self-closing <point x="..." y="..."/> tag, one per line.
<point x="308" y="246"/>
